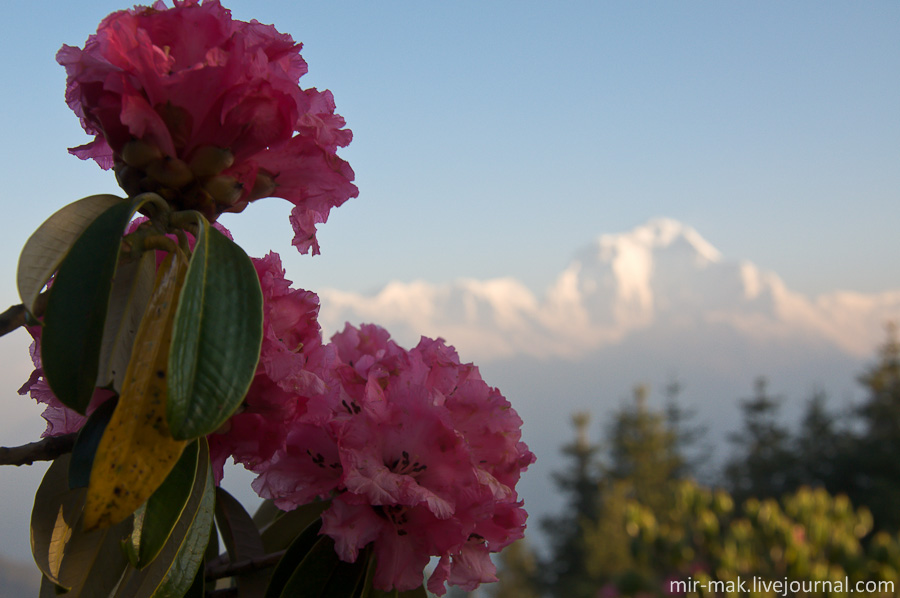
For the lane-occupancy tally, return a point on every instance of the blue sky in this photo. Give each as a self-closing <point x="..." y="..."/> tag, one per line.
<point x="495" y="138"/>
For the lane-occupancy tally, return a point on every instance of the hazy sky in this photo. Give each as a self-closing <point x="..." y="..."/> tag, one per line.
<point x="495" y="138"/>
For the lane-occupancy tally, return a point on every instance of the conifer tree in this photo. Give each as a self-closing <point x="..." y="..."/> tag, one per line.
<point x="564" y="574"/>
<point x="875" y="464"/>
<point x="764" y="465"/>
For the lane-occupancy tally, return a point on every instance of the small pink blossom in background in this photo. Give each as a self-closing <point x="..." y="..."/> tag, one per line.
<point x="420" y="457"/>
<point x="163" y="90"/>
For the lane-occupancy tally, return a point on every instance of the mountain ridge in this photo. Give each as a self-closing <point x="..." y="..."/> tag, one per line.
<point x="658" y="274"/>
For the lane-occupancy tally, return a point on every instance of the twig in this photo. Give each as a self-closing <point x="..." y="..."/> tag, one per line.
<point x="216" y="571"/>
<point x="43" y="450"/>
<point x="17" y="316"/>
<point x="12" y="318"/>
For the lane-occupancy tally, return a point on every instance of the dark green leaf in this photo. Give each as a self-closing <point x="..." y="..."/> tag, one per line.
<point x="212" y="549"/>
<point x="293" y="556"/>
<point x="266" y="513"/>
<point x="198" y="588"/>
<point x="216" y="338"/>
<point x="366" y="589"/>
<point x="174" y="570"/>
<point x="346" y="578"/>
<point x="76" y="308"/>
<point x="284" y="529"/>
<point x="86" y="563"/>
<point x="86" y="444"/>
<point x="164" y="508"/>
<point x="242" y="541"/>
<point x="48" y="245"/>
<point x="311" y="577"/>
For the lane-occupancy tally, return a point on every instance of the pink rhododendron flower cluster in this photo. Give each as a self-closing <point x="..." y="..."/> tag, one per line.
<point x="419" y="456"/>
<point x="207" y="111"/>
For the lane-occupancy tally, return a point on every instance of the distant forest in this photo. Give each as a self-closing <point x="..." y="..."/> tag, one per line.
<point x="816" y="504"/>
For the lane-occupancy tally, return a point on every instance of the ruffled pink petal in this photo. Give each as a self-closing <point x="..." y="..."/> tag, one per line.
<point x="351" y="527"/>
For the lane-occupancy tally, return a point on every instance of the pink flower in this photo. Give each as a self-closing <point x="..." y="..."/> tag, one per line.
<point x="206" y="111"/>
<point x="60" y="419"/>
<point x="289" y="376"/>
<point x="419" y="456"/>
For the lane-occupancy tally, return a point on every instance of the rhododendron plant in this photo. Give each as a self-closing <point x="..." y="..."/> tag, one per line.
<point x="161" y="351"/>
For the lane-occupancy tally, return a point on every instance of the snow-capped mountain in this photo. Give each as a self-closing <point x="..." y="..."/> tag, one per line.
<point x="661" y="276"/>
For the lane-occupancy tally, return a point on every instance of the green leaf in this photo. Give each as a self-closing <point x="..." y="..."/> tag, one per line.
<point x="266" y="513"/>
<point x="50" y="589"/>
<point x="284" y="529"/>
<point x="76" y="308"/>
<point x="86" y="444"/>
<point x="164" y="508"/>
<point x="366" y="589"/>
<point x="242" y="541"/>
<point x="217" y="336"/>
<point x="198" y="588"/>
<point x="346" y="578"/>
<point x="48" y="245"/>
<point x="86" y="563"/>
<point x="311" y="576"/>
<point x="293" y="556"/>
<point x="174" y="570"/>
<point x="131" y="289"/>
<point x="212" y="548"/>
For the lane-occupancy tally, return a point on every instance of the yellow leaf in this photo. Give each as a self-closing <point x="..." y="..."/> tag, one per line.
<point x="137" y="452"/>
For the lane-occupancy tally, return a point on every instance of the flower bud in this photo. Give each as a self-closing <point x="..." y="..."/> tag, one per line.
<point x="210" y="160"/>
<point x="129" y="178"/>
<point x="170" y="172"/>
<point x="139" y="153"/>
<point x="225" y="190"/>
<point x="263" y="186"/>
